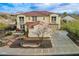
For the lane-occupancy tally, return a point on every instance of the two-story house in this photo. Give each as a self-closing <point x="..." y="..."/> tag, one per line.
<point x="35" y="16"/>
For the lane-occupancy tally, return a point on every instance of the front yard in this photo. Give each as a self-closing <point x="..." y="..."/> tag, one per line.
<point x="46" y="43"/>
<point x="36" y="36"/>
<point x="16" y="41"/>
<point x="61" y="45"/>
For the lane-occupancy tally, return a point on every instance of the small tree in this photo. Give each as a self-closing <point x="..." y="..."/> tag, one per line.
<point x="65" y="13"/>
<point x="37" y="32"/>
<point x="40" y="31"/>
<point x="27" y="32"/>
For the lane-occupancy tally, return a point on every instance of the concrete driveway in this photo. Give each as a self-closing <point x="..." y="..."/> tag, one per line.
<point x="61" y="43"/>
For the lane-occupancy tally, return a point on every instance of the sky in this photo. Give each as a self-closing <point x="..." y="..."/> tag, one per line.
<point x="52" y="7"/>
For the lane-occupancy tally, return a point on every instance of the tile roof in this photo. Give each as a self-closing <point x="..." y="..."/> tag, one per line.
<point x="37" y="13"/>
<point x="31" y="24"/>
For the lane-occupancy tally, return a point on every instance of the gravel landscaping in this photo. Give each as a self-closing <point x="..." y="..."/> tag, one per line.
<point x="44" y="44"/>
<point x="74" y="38"/>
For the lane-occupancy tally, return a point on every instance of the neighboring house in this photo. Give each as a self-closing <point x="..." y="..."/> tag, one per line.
<point x="68" y="19"/>
<point x="33" y="18"/>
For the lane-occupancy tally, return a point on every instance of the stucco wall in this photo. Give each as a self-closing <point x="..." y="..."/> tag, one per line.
<point x="59" y="22"/>
<point x="39" y="18"/>
<point x="46" y="19"/>
<point x="32" y="34"/>
<point x="57" y="19"/>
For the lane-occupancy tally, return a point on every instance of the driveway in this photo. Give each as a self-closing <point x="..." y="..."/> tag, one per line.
<point x="61" y="43"/>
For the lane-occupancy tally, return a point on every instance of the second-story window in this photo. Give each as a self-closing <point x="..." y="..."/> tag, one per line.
<point x="21" y="20"/>
<point x="34" y="18"/>
<point x="54" y="19"/>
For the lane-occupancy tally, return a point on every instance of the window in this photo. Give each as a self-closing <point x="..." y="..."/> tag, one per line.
<point x="29" y="18"/>
<point x="54" y="19"/>
<point x="22" y="27"/>
<point x="21" y="20"/>
<point x="34" y="18"/>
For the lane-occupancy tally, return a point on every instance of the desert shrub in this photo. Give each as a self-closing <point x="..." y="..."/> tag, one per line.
<point x="72" y="27"/>
<point x="8" y="33"/>
<point x="2" y="44"/>
<point x="3" y="26"/>
<point x="4" y="16"/>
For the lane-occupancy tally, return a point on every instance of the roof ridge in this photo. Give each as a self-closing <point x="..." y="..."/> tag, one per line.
<point x="37" y="13"/>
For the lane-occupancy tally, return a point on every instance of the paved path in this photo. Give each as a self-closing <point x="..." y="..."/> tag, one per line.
<point x="62" y="44"/>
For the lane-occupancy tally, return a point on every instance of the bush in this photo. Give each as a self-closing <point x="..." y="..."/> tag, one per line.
<point x="3" y="26"/>
<point x="72" y="27"/>
<point x="8" y="33"/>
<point x="2" y="44"/>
